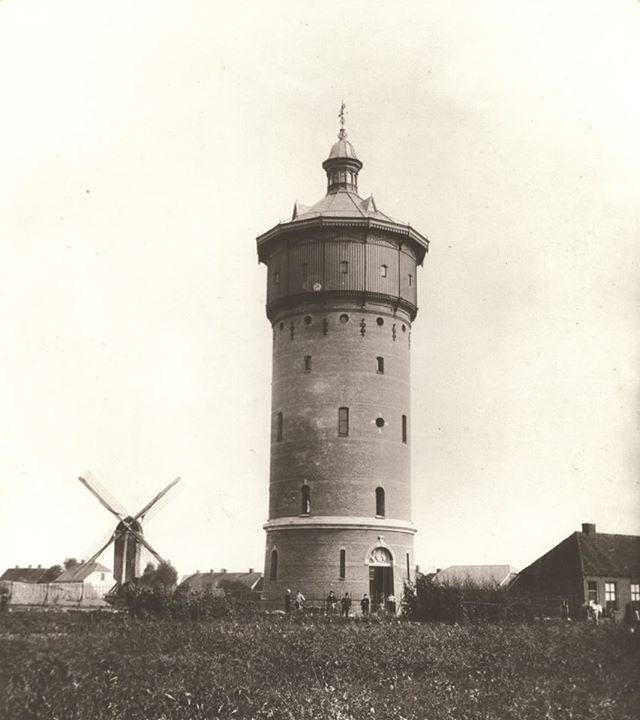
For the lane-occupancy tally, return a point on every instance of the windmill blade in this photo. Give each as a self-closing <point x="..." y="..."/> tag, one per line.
<point x="142" y="540"/>
<point x="97" y="554"/>
<point x="90" y="487"/>
<point x="151" y="503"/>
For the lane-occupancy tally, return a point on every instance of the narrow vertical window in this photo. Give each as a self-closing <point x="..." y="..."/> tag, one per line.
<point x="610" y="595"/>
<point x="279" y="426"/>
<point x="410" y="280"/>
<point x="305" y="500"/>
<point x="380" y="365"/>
<point x="276" y="277"/>
<point x="307" y="363"/>
<point x="273" y="573"/>
<point x="404" y="429"/>
<point x="344" y="267"/>
<point x="380" y="502"/>
<point x="343" y="564"/>
<point x="343" y="421"/>
<point x="408" y="569"/>
<point x="383" y="271"/>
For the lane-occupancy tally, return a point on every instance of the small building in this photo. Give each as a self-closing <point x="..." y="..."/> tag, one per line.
<point x="96" y="575"/>
<point x="478" y="576"/>
<point x="588" y="566"/>
<point x="215" y="582"/>
<point x="24" y="575"/>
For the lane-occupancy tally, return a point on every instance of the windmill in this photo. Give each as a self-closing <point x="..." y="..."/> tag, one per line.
<point x="127" y="538"/>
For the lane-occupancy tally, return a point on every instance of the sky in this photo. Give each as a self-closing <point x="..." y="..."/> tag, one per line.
<point x="144" y="146"/>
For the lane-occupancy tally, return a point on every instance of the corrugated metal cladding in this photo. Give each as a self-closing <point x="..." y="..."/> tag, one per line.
<point x="277" y="275"/>
<point x="408" y="278"/>
<point x="305" y="266"/>
<point x="344" y="266"/>
<point x="382" y="269"/>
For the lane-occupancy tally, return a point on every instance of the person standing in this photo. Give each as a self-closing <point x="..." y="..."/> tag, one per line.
<point x="287" y="601"/>
<point x="365" y="604"/>
<point x="299" y="601"/>
<point x="332" y="601"/>
<point x="345" y="605"/>
<point x="391" y="604"/>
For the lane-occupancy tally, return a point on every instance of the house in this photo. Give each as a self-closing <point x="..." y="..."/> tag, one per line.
<point x="24" y="575"/>
<point x="215" y="582"/>
<point x="480" y="576"/>
<point x="94" y="574"/>
<point x="588" y="566"/>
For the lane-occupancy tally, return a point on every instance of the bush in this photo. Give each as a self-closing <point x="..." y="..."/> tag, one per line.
<point x="165" y="602"/>
<point x="463" y="602"/>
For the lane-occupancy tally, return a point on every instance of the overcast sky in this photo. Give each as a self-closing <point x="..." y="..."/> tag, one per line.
<point x="144" y="145"/>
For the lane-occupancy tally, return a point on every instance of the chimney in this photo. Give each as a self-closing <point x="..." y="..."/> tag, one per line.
<point x="417" y="569"/>
<point x="251" y="570"/>
<point x="223" y="570"/>
<point x="211" y="571"/>
<point x="438" y="570"/>
<point x="40" y="567"/>
<point x="29" y="565"/>
<point x="17" y="566"/>
<point x="589" y="528"/>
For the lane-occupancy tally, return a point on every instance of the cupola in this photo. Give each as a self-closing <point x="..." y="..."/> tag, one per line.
<point x="342" y="166"/>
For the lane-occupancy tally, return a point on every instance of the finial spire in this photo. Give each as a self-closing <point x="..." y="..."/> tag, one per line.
<point x="343" y="133"/>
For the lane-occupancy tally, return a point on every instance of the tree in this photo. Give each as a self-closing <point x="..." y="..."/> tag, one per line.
<point x="165" y="575"/>
<point x="51" y="574"/>
<point x="70" y="563"/>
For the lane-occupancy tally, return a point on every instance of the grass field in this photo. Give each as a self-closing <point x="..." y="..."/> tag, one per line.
<point x="93" y="666"/>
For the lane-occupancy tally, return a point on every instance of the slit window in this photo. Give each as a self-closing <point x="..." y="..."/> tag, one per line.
<point x="380" y="365"/>
<point x="408" y="568"/>
<point x="380" y="502"/>
<point x="404" y="429"/>
<point x="383" y="271"/>
<point x="343" y="421"/>
<point x="307" y="363"/>
<point x="343" y="564"/>
<point x="344" y="267"/>
<point x="273" y="571"/>
<point x="305" y="500"/>
<point x="276" y="278"/>
<point x="279" y="426"/>
<point x="410" y="280"/>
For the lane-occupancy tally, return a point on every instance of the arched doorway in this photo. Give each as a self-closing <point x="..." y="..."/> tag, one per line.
<point x="380" y="576"/>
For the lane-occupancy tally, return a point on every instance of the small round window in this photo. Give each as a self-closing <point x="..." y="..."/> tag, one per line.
<point x="344" y="318"/>
<point x="307" y="320"/>
<point x="380" y="321"/>
<point x="380" y="422"/>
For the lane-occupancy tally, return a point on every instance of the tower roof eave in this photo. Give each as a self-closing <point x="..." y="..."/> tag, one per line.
<point x="420" y="241"/>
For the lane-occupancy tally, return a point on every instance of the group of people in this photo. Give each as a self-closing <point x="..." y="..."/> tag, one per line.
<point x="332" y="603"/>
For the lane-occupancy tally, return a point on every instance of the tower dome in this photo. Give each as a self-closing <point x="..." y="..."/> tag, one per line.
<point x="343" y="148"/>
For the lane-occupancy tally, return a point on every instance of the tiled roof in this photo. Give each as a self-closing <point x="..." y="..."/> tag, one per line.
<point x="81" y="572"/>
<point x="479" y="575"/>
<point x="341" y="204"/>
<point x="212" y="580"/>
<point x="608" y="554"/>
<point x="28" y="575"/>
